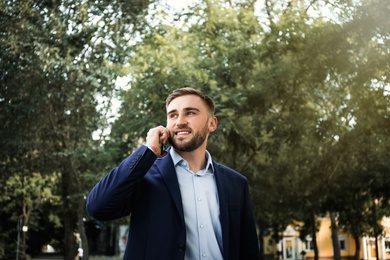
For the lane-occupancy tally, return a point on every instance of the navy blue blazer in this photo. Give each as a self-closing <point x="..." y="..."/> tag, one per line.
<point x="147" y="188"/>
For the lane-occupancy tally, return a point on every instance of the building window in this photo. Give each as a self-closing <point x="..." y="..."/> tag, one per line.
<point x="309" y="245"/>
<point x="387" y="246"/>
<point x="342" y="245"/>
<point x="343" y="242"/>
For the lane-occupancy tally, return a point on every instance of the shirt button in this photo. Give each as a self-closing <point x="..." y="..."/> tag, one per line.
<point x="199" y="199"/>
<point x="202" y="226"/>
<point x="204" y="255"/>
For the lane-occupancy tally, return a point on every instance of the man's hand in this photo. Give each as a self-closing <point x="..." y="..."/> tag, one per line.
<point x="155" y="137"/>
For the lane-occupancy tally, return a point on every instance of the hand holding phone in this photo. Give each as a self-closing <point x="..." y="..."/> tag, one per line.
<point x="156" y="138"/>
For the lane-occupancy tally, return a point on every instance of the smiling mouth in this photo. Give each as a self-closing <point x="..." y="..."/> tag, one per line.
<point x="182" y="132"/>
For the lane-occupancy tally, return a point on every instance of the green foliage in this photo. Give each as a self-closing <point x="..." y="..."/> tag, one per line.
<point x="56" y="60"/>
<point x="301" y="88"/>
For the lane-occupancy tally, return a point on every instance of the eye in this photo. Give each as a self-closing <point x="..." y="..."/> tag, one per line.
<point x="172" y="116"/>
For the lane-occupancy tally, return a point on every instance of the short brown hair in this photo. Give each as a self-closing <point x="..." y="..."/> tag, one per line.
<point x="191" y="91"/>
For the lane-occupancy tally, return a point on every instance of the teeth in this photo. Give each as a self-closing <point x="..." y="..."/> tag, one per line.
<point x="183" y="133"/>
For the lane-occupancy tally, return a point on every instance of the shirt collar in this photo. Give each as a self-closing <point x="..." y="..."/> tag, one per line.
<point x="176" y="158"/>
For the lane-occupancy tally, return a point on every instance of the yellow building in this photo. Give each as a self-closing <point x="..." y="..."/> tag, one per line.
<point x="291" y="247"/>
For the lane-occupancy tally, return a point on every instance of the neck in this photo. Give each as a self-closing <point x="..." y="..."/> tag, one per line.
<point x="196" y="159"/>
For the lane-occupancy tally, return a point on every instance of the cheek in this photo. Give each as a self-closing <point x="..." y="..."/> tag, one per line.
<point x="169" y="125"/>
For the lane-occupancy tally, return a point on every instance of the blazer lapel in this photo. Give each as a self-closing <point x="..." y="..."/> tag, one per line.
<point x="168" y="172"/>
<point x="222" y="186"/>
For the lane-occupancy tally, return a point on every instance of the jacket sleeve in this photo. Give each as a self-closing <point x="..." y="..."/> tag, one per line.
<point x="111" y="198"/>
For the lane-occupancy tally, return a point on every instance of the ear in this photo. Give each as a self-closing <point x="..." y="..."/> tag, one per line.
<point x="213" y="122"/>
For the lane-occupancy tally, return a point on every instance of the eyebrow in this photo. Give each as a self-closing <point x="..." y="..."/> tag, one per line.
<point x="186" y="109"/>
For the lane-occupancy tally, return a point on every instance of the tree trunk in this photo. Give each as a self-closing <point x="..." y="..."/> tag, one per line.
<point x="314" y="235"/>
<point x="81" y="227"/>
<point x="376" y="248"/>
<point x="24" y="234"/>
<point x="357" y="248"/>
<point x="70" y="249"/>
<point x="261" y="244"/>
<point x="376" y="232"/>
<point x="25" y="220"/>
<point x="335" y="237"/>
<point x="69" y="238"/>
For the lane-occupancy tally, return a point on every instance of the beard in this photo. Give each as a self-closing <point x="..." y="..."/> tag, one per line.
<point x="194" y="143"/>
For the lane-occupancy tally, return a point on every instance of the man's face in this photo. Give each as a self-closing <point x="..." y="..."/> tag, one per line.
<point x="189" y="123"/>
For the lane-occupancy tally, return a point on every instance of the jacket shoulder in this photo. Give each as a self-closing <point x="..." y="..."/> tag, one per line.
<point x="229" y="172"/>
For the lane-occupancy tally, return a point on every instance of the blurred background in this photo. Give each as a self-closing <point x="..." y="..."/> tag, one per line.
<point x="302" y="93"/>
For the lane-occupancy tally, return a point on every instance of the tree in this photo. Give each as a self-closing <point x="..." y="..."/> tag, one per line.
<point x="56" y="60"/>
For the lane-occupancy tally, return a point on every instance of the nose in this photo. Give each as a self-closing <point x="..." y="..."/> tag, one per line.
<point x="181" y="120"/>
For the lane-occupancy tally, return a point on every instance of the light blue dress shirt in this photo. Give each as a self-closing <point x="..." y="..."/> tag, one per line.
<point x="201" y="209"/>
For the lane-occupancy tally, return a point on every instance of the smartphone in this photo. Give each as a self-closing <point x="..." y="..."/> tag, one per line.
<point x="163" y="148"/>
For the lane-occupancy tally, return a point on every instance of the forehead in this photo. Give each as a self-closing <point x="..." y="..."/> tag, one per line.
<point x="185" y="102"/>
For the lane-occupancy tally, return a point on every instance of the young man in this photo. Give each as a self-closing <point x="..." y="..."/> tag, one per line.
<point x="183" y="205"/>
